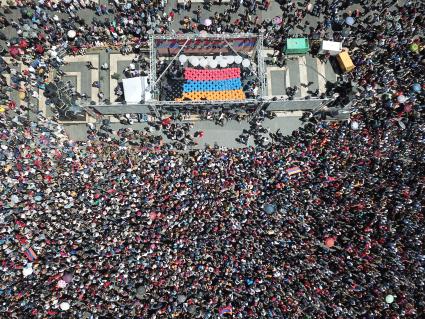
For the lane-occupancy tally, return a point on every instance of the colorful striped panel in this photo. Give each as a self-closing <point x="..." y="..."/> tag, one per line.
<point x="212" y="75"/>
<point x="220" y="85"/>
<point x="214" y="95"/>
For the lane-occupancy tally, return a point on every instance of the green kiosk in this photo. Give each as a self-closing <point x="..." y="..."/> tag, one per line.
<point x="297" y="46"/>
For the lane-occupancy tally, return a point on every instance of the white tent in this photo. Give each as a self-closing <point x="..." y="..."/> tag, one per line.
<point x="135" y="90"/>
<point x="330" y="46"/>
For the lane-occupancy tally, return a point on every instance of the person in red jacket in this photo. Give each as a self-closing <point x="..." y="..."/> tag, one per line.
<point x="171" y="16"/>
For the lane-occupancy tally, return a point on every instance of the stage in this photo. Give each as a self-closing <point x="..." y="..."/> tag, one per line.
<point x="206" y="69"/>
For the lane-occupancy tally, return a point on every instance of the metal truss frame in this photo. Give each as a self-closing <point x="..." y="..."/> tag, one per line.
<point x="221" y="102"/>
<point x="152" y="86"/>
<point x="201" y="102"/>
<point x="284" y="98"/>
<point x="261" y="66"/>
<point x="202" y="36"/>
<point x="153" y="79"/>
<point x="152" y="73"/>
<point x="152" y="61"/>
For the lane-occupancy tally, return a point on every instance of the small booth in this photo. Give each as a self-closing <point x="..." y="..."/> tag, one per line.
<point x="345" y="62"/>
<point x="331" y="47"/>
<point x="297" y="46"/>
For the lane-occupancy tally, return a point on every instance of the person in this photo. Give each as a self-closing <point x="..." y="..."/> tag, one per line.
<point x="116" y="76"/>
<point x="186" y="23"/>
<point x="253" y="7"/>
<point x="199" y="134"/>
<point x="171" y="16"/>
<point x="207" y="5"/>
<point x="198" y="15"/>
<point x="90" y="66"/>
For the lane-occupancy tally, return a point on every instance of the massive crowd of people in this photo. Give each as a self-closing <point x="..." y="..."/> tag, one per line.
<point x="325" y="223"/>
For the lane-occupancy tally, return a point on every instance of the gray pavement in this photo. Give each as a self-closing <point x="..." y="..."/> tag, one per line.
<point x="213" y="134"/>
<point x="104" y="75"/>
<point x="226" y="135"/>
<point x="306" y="72"/>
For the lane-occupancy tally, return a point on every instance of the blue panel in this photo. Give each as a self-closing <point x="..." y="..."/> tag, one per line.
<point x="219" y="85"/>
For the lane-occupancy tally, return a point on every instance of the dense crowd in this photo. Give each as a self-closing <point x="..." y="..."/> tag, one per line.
<point x="325" y="223"/>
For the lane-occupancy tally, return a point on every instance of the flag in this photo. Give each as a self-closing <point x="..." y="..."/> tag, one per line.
<point x="293" y="170"/>
<point x="30" y="254"/>
<point x="212" y="84"/>
<point x="223" y="311"/>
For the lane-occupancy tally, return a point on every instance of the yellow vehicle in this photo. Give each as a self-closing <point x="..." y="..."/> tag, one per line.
<point x="345" y="62"/>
